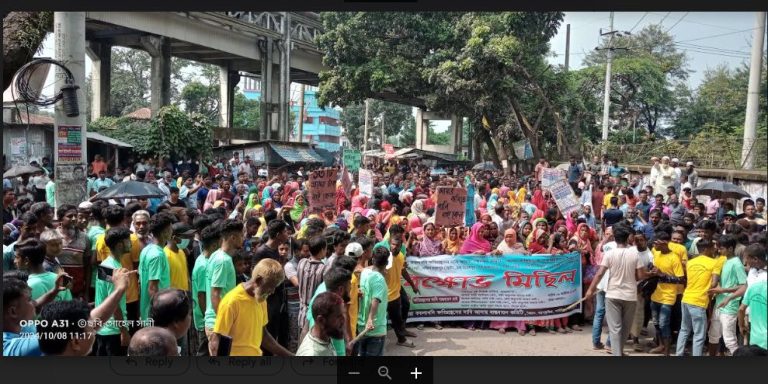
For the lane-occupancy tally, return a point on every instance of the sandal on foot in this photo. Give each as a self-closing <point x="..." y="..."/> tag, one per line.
<point x="406" y="343"/>
<point x="502" y="331"/>
<point x="521" y="332"/>
<point x="562" y="331"/>
<point x="532" y="332"/>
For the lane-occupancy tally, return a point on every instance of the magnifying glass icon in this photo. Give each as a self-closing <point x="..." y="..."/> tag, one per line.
<point x="384" y="372"/>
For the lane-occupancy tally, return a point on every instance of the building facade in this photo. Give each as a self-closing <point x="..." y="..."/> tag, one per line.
<point x="321" y="126"/>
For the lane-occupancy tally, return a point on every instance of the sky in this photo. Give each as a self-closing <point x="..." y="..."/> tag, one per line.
<point x="709" y="39"/>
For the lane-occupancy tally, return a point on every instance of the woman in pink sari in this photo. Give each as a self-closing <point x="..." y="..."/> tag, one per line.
<point x="476" y="243"/>
<point x="358" y="203"/>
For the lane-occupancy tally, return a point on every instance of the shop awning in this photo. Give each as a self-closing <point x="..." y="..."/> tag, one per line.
<point x="97" y="137"/>
<point x="296" y="154"/>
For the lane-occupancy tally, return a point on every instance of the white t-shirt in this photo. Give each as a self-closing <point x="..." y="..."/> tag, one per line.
<point x="756" y="275"/>
<point x="604" y="281"/>
<point x="623" y="263"/>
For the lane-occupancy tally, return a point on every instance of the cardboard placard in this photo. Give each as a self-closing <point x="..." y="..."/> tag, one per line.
<point x="550" y="176"/>
<point x="322" y="190"/>
<point x="451" y="204"/>
<point x="365" y="183"/>
<point x="352" y="159"/>
<point x="564" y="197"/>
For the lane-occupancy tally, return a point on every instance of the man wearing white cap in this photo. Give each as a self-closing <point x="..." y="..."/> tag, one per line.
<point x="678" y="174"/>
<point x="666" y="176"/>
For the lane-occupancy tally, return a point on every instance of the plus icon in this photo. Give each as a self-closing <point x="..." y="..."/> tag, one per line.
<point x="416" y="373"/>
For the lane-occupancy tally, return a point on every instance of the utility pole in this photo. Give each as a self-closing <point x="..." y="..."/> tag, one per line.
<point x="301" y="114"/>
<point x="382" y="129"/>
<point x="70" y="142"/>
<point x="365" y="131"/>
<point x="753" y="93"/>
<point x="567" y="45"/>
<point x="607" y="96"/>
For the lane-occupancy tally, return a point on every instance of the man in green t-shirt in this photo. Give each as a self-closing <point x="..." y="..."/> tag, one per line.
<point x="154" y="271"/>
<point x="29" y="257"/>
<point x="755" y="300"/>
<point x="113" y="338"/>
<point x="732" y="278"/>
<point x="336" y="280"/>
<point x="220" y="271"/>
<point x="210" y="238"/>
<point x="373" y="307"/>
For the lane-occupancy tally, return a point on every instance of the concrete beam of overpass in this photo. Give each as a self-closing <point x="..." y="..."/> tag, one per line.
<point x="185" y="29"/>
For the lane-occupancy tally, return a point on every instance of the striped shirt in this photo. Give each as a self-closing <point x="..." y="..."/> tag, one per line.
<point x="310" y="275"/>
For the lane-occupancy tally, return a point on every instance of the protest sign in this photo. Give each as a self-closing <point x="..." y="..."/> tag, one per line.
<point x="322" y="190"/>
<point x="352" y="159"/>
<point x="451" y="204"/>
<point x="551" y="175"/>
<point x="365" y="183"/>
<point x="564" y="197"/>
<point x="507" y="287"/>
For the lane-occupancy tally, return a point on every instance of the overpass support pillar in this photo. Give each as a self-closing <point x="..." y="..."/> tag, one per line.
<point x="228" y="80"/>
<point x="285" y="80"/>
<point x="270" y="89"/>
<point x="159" y="48"/>
<point x="100" y="54"/>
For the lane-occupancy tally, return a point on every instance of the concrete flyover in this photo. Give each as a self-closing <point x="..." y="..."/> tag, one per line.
<point x="250" y="43"/>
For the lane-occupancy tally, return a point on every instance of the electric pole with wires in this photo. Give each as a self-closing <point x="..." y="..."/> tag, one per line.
<point x="607" y="96"/>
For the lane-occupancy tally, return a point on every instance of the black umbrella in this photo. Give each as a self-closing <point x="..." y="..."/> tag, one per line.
<point x="129" y="190"/>
<point x="721" y="189"/>
<point x="20" y="170"/>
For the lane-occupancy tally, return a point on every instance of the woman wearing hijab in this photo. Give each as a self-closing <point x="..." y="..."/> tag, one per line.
<point x="581" y="242"/>
<point x="214" y="195"/>
<point x="417" y="209"/>
<point x="526" y="228"/>
<point x="297" y="208"/>
<point x="538" y="242"/>
<point x="476" y="243"/>
<point x="452" y="241"/>
<point x="540" y="223"/>
<point x="341" y="197"/>
<point x="266" y="194"/>
<point x="430" y="244"/>
<point x="538" y="199"/>
<point x="507" y="247"/>
<point x="358" y="204"/>
<point x="510" y="244"/>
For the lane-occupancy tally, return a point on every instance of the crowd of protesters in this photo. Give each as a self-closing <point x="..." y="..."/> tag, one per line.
<point x="234" y="260"/>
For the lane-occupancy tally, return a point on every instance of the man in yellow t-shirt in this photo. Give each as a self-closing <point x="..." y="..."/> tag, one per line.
<point x="702" y="274"/>
<point x="397" y="307"/>
<point x="177" y="258"/>
<point x="669" y="268"/>
<point x="242" y="314"/>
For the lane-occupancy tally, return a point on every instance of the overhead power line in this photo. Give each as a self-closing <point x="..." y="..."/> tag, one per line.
<point x="664" y="18"/>
<point x="678" y="22"/>
<point x="718" y="35"/>
<point x="638" y="22"/>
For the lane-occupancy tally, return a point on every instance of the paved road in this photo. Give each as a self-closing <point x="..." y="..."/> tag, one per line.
<point x="463" y="342"/>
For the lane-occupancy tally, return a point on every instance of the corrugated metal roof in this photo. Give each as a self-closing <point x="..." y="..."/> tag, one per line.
<point x="106" y="140"/>
<point x="296" y="154"/>
<point x="141" y="114"/>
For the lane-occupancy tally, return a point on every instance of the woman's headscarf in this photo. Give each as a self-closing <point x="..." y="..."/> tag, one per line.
<point x="583" y="243"/>
<point x="452" y="246"/>
<point x="532" y="241"/>
<point x="506" y="248"/>
<point x="417" y="208"/>
<point x="266" y="194"/>
<point x="250" y="203"/>
<point x="358" y="204"/>
<point x="538" y="200"/>
<point x="341" y="197"/>
<point x="475" y="242"/>
<point x="213" y="196"/>
<point x="520" y="198"/>
<point x="298" y="208"/>
<point x="493" y="201"/>
<point x="532" y="236"/>
<point x="430" y="247"/>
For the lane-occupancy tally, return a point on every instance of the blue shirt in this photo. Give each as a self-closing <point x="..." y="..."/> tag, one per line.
<point x="645" y="208"/>
<point x="21" y="344"/>
<point x="574" y="173"/>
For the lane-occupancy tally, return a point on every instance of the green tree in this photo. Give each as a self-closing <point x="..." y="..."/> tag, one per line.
<point x="644" y="77"/>
<point x="478" y="65"/>
<point x="247" y="113"/>
<point x="23" y="35"/>
<point x="171" y="133"/>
